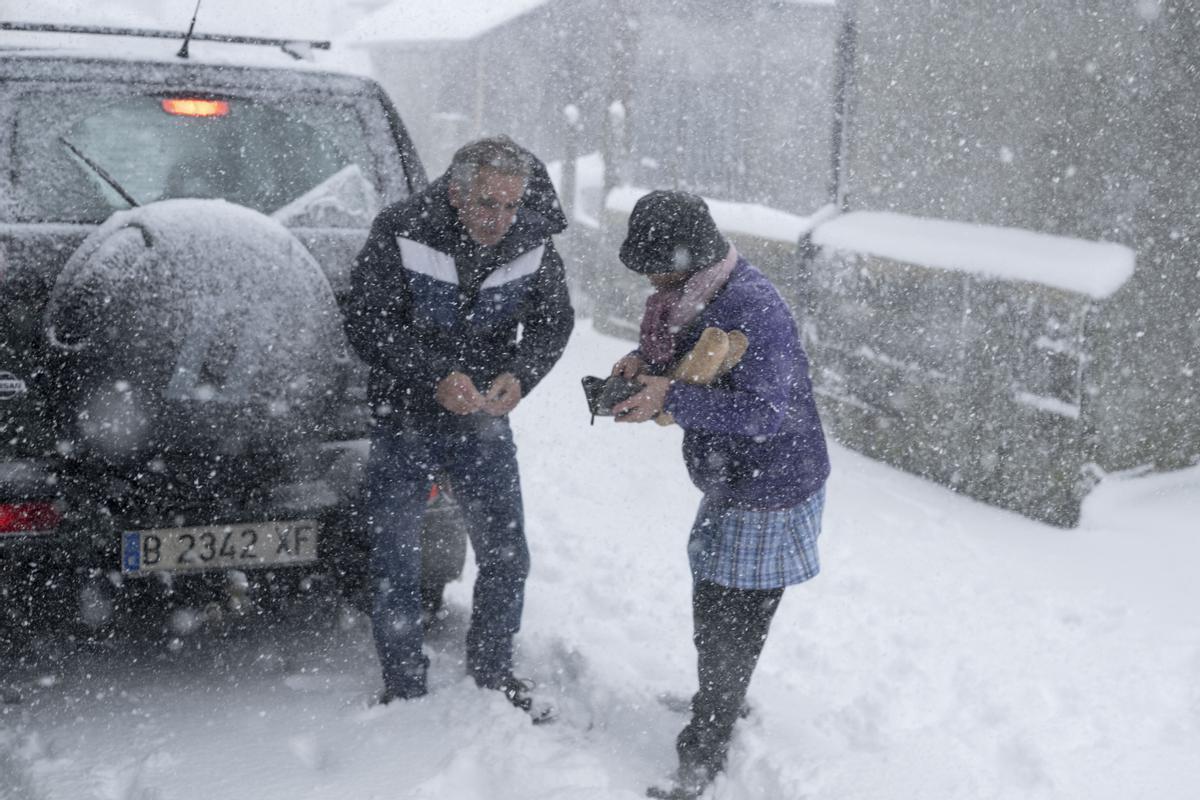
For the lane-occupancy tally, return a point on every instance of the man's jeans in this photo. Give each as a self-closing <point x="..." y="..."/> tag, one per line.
<point x="481" y="468"/>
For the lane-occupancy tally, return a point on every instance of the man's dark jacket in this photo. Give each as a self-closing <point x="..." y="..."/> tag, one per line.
<point x="426" y="300"/>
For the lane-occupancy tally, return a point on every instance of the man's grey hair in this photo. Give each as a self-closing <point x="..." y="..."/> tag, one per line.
<point x="496" y="152"/>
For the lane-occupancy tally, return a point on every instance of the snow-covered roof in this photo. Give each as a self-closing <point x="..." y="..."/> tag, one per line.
<point x="1097" y="269"/>
<point x="164" y="51"/>
<point x="281" y="19"/>
<point x="436" y="20"/>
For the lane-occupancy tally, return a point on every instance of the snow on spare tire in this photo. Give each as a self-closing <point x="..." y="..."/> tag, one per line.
<point x="193" y="325"/>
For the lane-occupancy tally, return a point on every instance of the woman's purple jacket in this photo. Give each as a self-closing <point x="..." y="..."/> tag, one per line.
<point x="753" y="439"/>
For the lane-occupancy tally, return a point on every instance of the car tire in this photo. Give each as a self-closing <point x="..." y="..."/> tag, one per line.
<point x="193" y="325"/>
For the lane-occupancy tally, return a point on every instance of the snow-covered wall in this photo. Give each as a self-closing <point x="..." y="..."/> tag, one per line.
<point x="1095" y="269"/>
<point x="1064" y="139"/>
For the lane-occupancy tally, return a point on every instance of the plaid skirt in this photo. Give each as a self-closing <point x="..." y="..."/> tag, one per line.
<point x="745" y="549"/>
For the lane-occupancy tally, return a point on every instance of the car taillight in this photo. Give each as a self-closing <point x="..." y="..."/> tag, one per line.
<point x="195" y="107"/>
<point x="28" y="517"/>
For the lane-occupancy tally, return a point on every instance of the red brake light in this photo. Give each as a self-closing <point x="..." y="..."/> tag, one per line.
<point x="28" y="517"/>
<point x="195" y="107"/>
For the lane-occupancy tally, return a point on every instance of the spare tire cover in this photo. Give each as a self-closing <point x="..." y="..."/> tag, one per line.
<point x="195" y="324"/>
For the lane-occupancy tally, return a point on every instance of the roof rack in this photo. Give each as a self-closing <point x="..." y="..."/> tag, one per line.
<point x="286" y="45"/>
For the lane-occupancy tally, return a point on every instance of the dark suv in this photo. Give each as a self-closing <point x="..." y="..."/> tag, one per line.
<point x="180" y="415"/>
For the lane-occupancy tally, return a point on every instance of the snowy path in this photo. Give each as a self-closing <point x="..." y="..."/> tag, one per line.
<point x="949" y="650"/>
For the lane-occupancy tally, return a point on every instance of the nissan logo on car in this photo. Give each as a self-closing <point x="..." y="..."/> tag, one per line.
<point x="11" y="386"/>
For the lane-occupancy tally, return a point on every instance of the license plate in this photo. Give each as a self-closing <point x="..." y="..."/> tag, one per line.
<point x="237" y="546"/>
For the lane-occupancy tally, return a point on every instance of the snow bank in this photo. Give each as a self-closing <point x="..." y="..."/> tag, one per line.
<point x="1097" y="269"/>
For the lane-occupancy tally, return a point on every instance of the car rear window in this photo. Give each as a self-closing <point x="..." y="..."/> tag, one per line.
<point x="305" y="161"/>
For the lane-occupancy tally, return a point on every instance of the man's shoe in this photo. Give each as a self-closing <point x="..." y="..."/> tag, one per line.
<point x="388" y="695"/>
<point x="516" y="691"/>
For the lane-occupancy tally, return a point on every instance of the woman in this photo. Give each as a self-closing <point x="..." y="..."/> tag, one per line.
<point x="753" y="444"/>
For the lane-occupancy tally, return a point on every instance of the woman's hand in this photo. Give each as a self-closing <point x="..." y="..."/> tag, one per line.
<point x="629" y="367"/>
<point x="646" y="404"/>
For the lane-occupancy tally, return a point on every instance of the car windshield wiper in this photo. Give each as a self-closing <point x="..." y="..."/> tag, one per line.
<point x="99" y="170"/>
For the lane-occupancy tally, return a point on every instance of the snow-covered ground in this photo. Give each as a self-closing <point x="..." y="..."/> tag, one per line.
<point x="948" y="650"/>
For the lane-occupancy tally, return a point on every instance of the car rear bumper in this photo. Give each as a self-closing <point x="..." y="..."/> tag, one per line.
<point x="100" y="504"/>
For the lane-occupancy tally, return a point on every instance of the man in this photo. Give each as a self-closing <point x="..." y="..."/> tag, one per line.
<point x="437" y="296"/>
<point x="752" y="443"/>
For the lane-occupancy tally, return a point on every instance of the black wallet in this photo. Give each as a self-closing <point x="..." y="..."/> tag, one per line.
<point x="604" y="393"/>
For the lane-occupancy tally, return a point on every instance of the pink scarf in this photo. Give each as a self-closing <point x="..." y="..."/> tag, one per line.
<point x="668" y="311"/>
